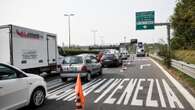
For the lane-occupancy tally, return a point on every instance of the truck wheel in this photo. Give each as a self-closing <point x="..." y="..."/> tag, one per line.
<point x="64" y="79"/>
<point x="37" y="97"/>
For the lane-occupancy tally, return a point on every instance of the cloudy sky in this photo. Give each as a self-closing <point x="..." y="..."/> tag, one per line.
<point x="113" y="19"/>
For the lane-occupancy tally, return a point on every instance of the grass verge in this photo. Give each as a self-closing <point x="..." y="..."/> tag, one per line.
<point x="187" y="56"/>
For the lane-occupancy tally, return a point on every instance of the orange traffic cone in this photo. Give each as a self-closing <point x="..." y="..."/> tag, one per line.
<point x="80" y="98"/>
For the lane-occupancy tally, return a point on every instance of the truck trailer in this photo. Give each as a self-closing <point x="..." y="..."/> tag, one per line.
<point x="31" y="50"/>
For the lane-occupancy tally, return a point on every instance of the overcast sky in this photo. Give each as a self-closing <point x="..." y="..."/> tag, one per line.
<point x="113" y="19"/>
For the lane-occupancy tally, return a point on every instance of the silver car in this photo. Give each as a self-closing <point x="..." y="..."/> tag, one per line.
<point x="85" y="64"/>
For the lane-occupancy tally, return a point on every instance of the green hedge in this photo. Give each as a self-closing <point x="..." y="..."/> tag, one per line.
<point x="73" y="51"/>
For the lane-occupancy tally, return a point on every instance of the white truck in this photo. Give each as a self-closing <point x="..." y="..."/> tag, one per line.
<point x="140" y="51"/>
<point x="31" y="50"/>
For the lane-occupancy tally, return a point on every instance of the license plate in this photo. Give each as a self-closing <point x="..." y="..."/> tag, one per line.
<point x="74" y="69"/>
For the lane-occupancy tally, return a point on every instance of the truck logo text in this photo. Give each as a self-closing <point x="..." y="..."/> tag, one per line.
<point x="28" y="35"/>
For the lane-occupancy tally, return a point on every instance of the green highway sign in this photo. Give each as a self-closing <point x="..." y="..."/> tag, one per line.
<point x="145" y="20"/>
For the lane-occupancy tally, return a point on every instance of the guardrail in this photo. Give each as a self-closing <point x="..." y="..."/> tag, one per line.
<point x="157" y="57"/>
<point x="188" y="69"/>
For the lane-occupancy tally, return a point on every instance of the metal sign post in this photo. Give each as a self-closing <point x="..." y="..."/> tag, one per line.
<point x="168" y="25"/>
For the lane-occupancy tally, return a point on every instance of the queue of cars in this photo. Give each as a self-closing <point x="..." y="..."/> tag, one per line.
<point x="88" y="64"/>
<point x="19" y="89"/>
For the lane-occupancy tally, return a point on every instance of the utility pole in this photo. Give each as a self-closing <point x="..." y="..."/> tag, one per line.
<point x="69" y="15"/>
<point x="168" y="25"/>
<point x="94" y="35"/>
<point x="124" y="39"/>
<point x="102" y="41"/>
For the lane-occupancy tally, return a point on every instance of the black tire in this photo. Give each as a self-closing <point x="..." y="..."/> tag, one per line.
<point x="34" y="97"/>
<point x="100" y="72"/>
<point x="64" y="79"/>
<point x="88" y="77"/>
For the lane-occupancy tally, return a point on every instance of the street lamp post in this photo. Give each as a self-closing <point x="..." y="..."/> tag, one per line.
<point x="69" y="15"/>
<point x="94" y="32"/>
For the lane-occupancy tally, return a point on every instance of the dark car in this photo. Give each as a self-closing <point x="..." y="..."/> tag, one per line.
<point x="109" y="60"/>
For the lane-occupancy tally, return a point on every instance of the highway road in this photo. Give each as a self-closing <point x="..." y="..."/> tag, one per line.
<point x="144" y="85"/>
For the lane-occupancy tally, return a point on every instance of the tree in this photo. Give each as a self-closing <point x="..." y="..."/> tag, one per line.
<point x="183" y="24"/>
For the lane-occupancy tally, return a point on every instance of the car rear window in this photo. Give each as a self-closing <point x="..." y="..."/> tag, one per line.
<point x="109" y="55"/>
<point x="66" y="60"/>
<point x="140" y="45"/>
<point x="76" y="60"/>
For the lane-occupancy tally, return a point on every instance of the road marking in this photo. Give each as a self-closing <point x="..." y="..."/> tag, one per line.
<point x="107" y="90"/>
<point x="171" y="96"/>
<point x="142" y="59"/>
<point x="72" y="96"/>
<point x="90" y="89"/>
<point x="54" y="94"/>
<point x="180" y="88"/>
<point x="60" y="87"/>
<point x="142" y="66"/>
<point x="149" y="101"/>
<point x="55" y="85"/>
<point x="135" y="101"/>
<point x="110" y="99"/>
<point x="103" y="86"/>
<point x="66" y="93"/>
<point x="162" y="100"/>
<point x="127" y="92"/>
<point x="54" y="81"/>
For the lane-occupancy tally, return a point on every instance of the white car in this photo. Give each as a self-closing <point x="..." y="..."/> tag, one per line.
<point x="19" y="89"/>
<point x="85" y="64"/>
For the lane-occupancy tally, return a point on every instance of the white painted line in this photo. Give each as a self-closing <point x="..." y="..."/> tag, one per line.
<point x="110" y="99"/>
<point x="56" y="85"/>
<point x="121" y="70"/>
<point x="135" y="101"/>
<point x="90" y="89"/>
<point x="107" y="90"/>
<point x="103" y="86"/>
<point x="72" y="96"/>
<point x="142" y="66"/>
<point x="87" y="91"/>
<point x="60" y="87"/>
<point x="162" y="100"/>
<point x="54" y="81"/>
<point x="173" y="100"/>
<point x="180" y="88"/>
<point x="54" y="94"/>
<point x="149" y="101"/>
<point x="68" y="92"/>
<point x="127" y="92"/>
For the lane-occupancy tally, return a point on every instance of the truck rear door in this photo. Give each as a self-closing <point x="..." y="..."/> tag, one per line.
<point x="5" y="45"/>
<point x="51" y="49"/>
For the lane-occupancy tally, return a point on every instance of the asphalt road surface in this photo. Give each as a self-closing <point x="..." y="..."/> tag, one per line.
<point x="142" y="86"/>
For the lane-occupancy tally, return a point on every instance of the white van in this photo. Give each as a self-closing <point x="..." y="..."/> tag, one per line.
<point x="30" y="50"/>
<point x="140" y="51"/>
